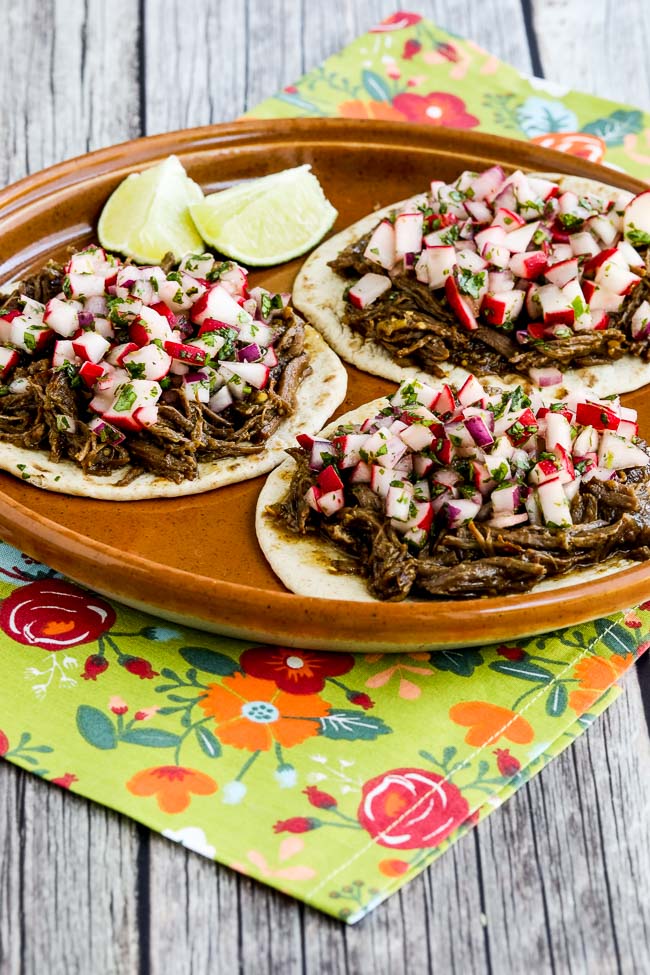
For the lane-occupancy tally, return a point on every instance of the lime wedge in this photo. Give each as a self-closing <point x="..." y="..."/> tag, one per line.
<point x="147" y="215"/>
<point x="267" y="221"/>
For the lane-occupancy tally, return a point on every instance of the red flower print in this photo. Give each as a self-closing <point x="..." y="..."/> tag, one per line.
<point x="140" y="667"/>
<point x="632" y="620"/>
<point x="172" y="785"/>
<point x="506" y="763"/>
<point x="4" y="744"/>
<point x="511" y="653"/>
<point x="94" y="666"/>
<point x="361" y="700"/>
<point x="397" y="21"/>
<point x="54" y="615"/>
<point x="118" y="705"/>
<point x="436" y="108"/>
<point x="298" y="824"/>
<point x="411" y="48"/>
<point x="321" y="800"/>
<point x="581" y="144"/>
<point x="448" y="51"/>
<point x="295" y="671"/>
<point x="411" y="808"/>
<point x="65" y="781"/>
<point x="645" y="606"/>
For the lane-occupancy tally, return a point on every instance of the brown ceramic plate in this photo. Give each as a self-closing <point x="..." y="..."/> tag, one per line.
<point x="196" y="559"/>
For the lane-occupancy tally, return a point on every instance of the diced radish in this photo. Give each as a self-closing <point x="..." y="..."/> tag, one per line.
<point x="503" y="308"/>
<point x="603" y="229"/>
<point x="8" y="360"/>
<point x="312" y="497"/>
<point x="508" y="220"/>
<point x="91" y="346"/>
<point x="149" y="325"/>
<point x="470" y="392"/>
<point x="198" y="265"/>
<point x="329" y="480"/>
<point x="562" y="272"/>
<point x="617" y="453"/>
<point x="613" y="277"/>
<point x="440" y="261"/>
<point x="104" y="431"/>
<point x="61" y="316"/>
<point x="491" y="235"/>
<point x="360" y="473"/>
<point x="349" y="448"/>
<point x="380" y="478"/>
<point x="459" y="304"/>
<point x="28" y="335"/>
<point x="368" y="289"/>
<point x="518" y="241"/>
<point x="234" y="279"/>
<point x="603" y="299"/>
<point x="90" y="372"/>
<point x="556" y="308"/>
<point x="84" y="285"/>
<point x="636" y="220"/>
<point x="127" y="399"/>
<point x="331" y="502"/>
<point x="221" y="400"/>
<point x="188" y="354"/>
<point x="459" y="511"/>
<point x="254" y="373"/>
<point x="478" y="211"/>
<point x="558" y="432"/>
<point x="554" y="504"/>
<point x="415" y="391"/>
<point x="548" y="376"/>
<point x="583" y="244"/>
<point x="417" y="437"/>
<point x="529" y="265"/>
<point x="593" y="263"/>
<point x="597" y="415"/>
<point x="381" y="246"/>
<point x="487" y="184"/>
<point x="470" y="261"/>
<point x="148" y="362"/>
<point x="507" y="521"/>
<point x="629" y="254"/>
<point x="506" y="498"/>
<point x="408" y="233"/>
<point x="398" y="501"/>
<point x="640" y="321"/>
<point x="219" y="304"/>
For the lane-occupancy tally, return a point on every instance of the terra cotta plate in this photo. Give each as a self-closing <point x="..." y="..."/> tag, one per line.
<point x="196" y="559"/>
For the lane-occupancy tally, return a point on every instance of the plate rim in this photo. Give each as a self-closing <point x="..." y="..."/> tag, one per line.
<point x="496" y="618"/>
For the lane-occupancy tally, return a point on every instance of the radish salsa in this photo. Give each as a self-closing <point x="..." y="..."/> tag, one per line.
<point x="475" y="492"/>
<point x="154" y="369"/>
<point x="503" y="274"/>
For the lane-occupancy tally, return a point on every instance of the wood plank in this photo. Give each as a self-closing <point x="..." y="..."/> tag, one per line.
<point x="604" y="52"/>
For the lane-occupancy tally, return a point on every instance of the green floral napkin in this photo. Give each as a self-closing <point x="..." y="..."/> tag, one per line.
<point x="333" y="777"/>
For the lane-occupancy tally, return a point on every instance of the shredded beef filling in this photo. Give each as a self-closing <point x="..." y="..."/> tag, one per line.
<point x="186" y="433"/>
<point x="611" y="519"/>
<point x="417" y="327"/>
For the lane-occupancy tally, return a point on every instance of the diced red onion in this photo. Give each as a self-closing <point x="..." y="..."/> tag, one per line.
<point x="549" y="376"/>
<point x="250" y="353"/>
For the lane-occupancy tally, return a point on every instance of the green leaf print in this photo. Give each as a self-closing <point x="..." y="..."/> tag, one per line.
<point x="150" y="738"/>
<point x="616" y="638"/>
<point x="460" y="662"/>
<point x="96" y="728"/>
<point x="557" y="701"/>
<point x="352" y="726"/>
<point x="613" y="129"/>
<point x="523" y="669"/>
<point x="208" y="743"/>
<point x="209" y="661"/>
<point x="376" y="87"/>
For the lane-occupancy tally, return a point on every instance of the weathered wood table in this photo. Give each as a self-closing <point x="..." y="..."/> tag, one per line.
<point x="559" y="879"/>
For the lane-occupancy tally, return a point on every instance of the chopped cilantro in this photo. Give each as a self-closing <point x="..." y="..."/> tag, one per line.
<point x="471" y="284"/>
<point x="126" y="399"/>
<point x="135" y="369"/>
<point x="451" y="234"/>
<point x="570" y="221"/>
<point x="636" y="237"/>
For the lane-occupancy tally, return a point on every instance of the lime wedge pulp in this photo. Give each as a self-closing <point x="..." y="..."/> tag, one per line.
<point x="148" y="214"/>
<point x="266" y="221"/>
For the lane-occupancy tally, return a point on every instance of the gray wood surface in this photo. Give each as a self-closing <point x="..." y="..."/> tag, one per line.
<point x="558" y="881"/>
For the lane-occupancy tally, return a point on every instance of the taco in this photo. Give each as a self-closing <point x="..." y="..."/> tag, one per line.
<point x="445" y="494"/>
<point x="541" y="278"/>
<point x="123" y="382"/>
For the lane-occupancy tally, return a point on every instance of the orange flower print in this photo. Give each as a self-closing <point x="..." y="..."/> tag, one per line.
<point x="581" y="144"/>
<point x="252" y="713"/>
<point x="377" y="110"/>
<point x="172" y="785"/>
<point x="594" y="675"/>
<point x="489" y="722"/>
